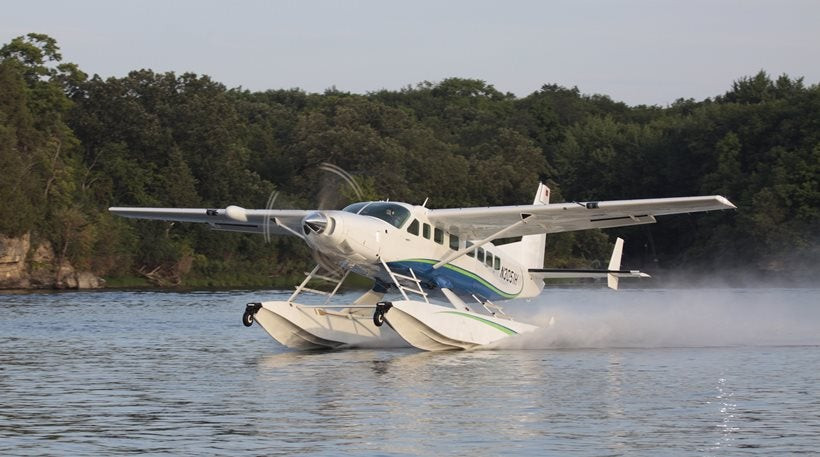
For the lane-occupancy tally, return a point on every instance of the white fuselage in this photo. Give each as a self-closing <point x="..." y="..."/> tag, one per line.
<point x="400" y="236"/>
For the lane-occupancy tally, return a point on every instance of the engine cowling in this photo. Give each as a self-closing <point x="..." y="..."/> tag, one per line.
<point x="345" y="235"/>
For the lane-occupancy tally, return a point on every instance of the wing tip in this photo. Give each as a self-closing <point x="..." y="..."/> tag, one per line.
<point x="725" y="202"/>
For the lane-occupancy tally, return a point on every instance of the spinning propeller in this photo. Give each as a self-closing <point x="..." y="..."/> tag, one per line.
<point x="331" y="195"/>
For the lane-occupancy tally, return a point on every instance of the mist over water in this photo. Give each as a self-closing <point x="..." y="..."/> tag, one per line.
<point x="653" y="318"/>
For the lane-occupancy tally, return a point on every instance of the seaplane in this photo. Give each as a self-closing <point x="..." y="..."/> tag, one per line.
<point x="444" y="274"/>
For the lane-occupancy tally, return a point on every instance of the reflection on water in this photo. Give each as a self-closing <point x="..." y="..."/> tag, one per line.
<point x="177" y="373"/>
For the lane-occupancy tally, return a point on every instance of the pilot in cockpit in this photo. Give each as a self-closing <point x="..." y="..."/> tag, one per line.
<point x="392" y="216"/>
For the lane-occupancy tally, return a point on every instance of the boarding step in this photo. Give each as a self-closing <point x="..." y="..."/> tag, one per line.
<point x="410" y="284"/>
<point x="418" y="291"/>
<point x="414" y="285"/>
<point x="409" y="278"/>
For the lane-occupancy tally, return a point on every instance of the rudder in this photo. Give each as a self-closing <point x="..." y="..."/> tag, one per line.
<point x="529" y="252"/>
<point x="533" y="246"/>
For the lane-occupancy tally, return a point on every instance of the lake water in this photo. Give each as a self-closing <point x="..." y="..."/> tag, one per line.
<point x="637" y="372"/>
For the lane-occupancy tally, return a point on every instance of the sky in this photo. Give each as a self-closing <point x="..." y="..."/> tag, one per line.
<point x="636" y="51"/>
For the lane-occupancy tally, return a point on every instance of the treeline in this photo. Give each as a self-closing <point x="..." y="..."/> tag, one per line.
<point x="73" y="145"/>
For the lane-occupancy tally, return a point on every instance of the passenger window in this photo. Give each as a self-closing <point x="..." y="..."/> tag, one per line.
<point x="414" y="227"/>
<point x="497" y="264"/>
<point x="480" y="254"/>
<point x="425" y="229"/>
<point x="453" y="242"/>
<point x="438" y="235"/>
<point x="489" y="260"/>
<point x="471" y="253"/>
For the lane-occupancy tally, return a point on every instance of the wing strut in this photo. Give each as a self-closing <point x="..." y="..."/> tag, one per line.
<point x="280" y="224"/>
<point x="478" y="244"/>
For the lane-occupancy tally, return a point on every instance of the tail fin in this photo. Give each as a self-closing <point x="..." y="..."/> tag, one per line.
<point x="529" y="252"/>
<point x="533" y="246"/>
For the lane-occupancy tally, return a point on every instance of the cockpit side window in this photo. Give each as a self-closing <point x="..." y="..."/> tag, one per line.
<point x="489" y="259"/>
<point x="413" y="228"/>
<point x="480" y="254"/>
<point x="471" y="253"/>
<point x="454" y="242"/>
<point x="392" y="213"/>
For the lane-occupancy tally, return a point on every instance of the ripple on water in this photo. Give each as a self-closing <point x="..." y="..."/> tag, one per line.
<point x="176" y="373"/>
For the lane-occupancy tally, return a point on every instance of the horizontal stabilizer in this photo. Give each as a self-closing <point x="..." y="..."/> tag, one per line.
<point x="612" y="274"/>
<point x="560" y="273"/>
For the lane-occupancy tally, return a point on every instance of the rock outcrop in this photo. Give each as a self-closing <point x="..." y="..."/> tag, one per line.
<point x="22" y="267"/>
<point x="13" y="253"/>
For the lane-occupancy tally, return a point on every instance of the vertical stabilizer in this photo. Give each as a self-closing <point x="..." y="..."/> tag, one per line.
<point x="533" y="246"/>
<point x="615" y="264"/>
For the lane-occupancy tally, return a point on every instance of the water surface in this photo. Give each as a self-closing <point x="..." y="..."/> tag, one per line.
<point x="657" y="372"/>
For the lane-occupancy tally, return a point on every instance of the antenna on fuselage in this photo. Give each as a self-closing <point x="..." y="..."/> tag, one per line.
<point x="424" y="205"/>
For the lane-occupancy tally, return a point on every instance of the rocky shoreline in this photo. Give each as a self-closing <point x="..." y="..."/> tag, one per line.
<point x="27" y="266"/>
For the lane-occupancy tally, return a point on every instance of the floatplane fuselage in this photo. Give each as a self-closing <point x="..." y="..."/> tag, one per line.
<point x="446" y="255"/>
<point x="375" y="239"/>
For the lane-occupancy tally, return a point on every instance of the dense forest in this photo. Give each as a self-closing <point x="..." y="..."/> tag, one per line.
<point x="73" y="145"/>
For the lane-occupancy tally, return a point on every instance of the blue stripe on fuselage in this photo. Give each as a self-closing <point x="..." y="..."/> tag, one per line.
<point x="459" y="280"/>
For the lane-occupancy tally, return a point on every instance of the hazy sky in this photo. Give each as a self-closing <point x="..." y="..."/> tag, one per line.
<point x="637" y="51"/>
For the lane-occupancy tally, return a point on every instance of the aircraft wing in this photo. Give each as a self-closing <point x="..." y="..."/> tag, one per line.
<point x="232" y="218"/>
<point x="483" y="222"/>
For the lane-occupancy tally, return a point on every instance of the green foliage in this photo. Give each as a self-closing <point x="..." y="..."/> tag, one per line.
<point x="71" y="146"/>
<point x="18" y="189"/>
<point x="38" y="151"/>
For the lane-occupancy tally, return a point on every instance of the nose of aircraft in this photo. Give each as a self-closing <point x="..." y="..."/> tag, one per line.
<point x="315" y="222"/>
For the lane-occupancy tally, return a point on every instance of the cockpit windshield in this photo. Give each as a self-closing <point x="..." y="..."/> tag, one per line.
<point x="355" y="207"/>
<point x="392" y="213"/>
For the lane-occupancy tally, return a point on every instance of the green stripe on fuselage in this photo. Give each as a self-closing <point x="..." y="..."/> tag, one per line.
<point x="496" y="326"/>
<point x="469" y="274"/>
